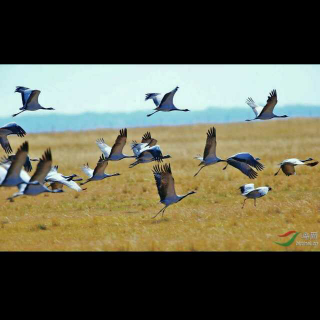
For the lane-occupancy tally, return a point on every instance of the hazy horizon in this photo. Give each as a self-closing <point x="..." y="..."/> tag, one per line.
<point x="36" y="122"/>
<point x="77" y="89"/>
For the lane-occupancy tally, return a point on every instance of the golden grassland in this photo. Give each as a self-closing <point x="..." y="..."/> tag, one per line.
<point x="115" y="214"/>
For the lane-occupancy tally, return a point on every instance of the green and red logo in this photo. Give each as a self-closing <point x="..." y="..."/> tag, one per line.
<point x="288" y="243"/>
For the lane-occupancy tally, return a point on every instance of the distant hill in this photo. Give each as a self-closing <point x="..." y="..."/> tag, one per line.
<point x="51" y="121"/>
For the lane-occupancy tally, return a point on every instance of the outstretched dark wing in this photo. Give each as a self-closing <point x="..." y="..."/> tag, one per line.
<point x="146" y="138"/>
<point x="243" y="167"/>
<point x="271" y="103"/>
<point x="251" y="161"/>
<point x="101" y="166"/>
<point x="256" y="164"/>
<point x="120" y="142"/>
<point x="164" y="181"/>
<point x="5" y="144"/>
<point x="33" y="98"/>
<point x="211" y="144"/>
<point x="168" y="98"/>
<point x="10" y="128"/>
<point x="18" y="160"/>
<point x="43" y="167"/>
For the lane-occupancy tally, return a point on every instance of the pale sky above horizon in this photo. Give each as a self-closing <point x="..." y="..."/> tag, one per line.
<point x="75" y="89"/>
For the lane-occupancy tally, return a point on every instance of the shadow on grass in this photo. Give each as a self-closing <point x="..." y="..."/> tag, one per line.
<point x="160" y="220"/>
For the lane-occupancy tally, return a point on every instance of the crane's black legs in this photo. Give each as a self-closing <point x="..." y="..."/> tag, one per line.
<point x="164" y="208"/>
<point x="148" y="115"/>
<point x="18" y="113"/>
<point x="82" y="183"/>
<point x="199" y="170"/>
<point x="277" y="171"/>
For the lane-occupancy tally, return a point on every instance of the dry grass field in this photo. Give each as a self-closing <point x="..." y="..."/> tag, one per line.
<point x="115" y="214"/>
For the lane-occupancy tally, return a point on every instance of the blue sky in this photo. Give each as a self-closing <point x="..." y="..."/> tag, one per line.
<point x="76" y="89"/>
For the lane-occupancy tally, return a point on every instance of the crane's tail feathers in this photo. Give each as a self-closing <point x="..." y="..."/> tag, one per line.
<point x="198" y="157"/>
<point x="312" y="164"/>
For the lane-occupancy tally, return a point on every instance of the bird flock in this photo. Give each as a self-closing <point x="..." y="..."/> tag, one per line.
<point x="14" y="168"/>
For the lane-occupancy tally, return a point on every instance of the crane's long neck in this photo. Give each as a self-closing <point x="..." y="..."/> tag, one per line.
<point x="112" y="175"/>
<point x="184" y="110"/>
<point x="184" y="196"/>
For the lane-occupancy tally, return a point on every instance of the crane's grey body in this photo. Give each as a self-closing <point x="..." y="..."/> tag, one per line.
<point x="165" y="185"/>
<point x="13" y="168"/>
<point x="247" y="158"/>
<point x="288" y="165"/>
<point x="149" y="154"/>
<point x="209" y="155"/>
<point x="166" y="103"/>
<point x="266" y="112"/>
<point x="29" y="100"/>
<point x="250" y="192"/>
<point x="98" y="173"/>
<point x="54" y="176"/>
<point x="116" y="152"/>
<point x="43" y="168"/>
<point x="241" y="161"/>
<point x="21" y="187"/>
